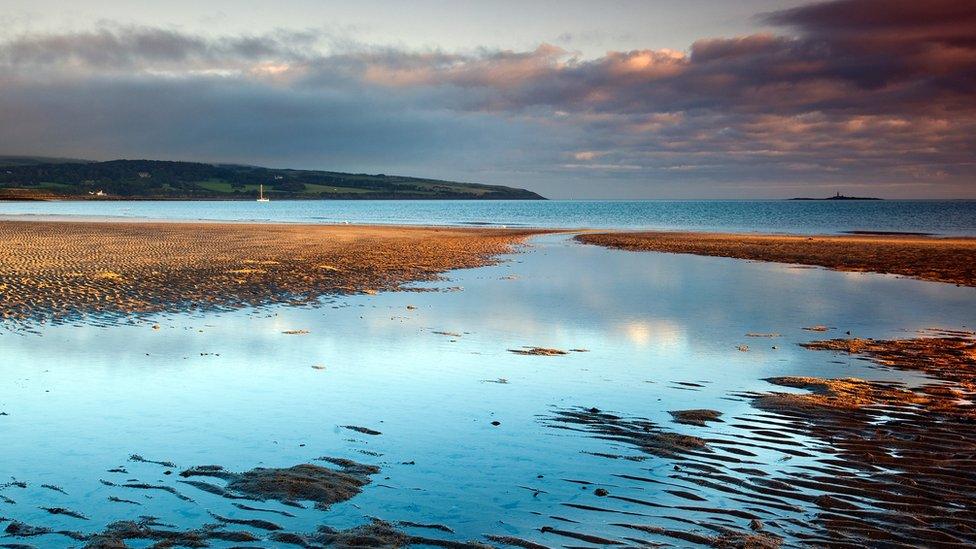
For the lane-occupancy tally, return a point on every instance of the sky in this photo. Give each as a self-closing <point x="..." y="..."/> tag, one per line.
<point x="570" y="98"/>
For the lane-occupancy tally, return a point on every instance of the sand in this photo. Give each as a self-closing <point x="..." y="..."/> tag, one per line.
<point x="30" y="195"/>
<point x="863" y="463"/>
<point x="324" y="486"/>
<point x="56" y="270"/>
<point x="950" y="260"/>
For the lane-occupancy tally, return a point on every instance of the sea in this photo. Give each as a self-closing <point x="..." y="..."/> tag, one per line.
<point x="942" y="217"/>
<point x="474" y="440"/>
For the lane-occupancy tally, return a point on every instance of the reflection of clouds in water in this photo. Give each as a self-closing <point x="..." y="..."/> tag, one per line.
<point x="659" y="334"/>
<point x="857" y="276"/>
<point x="283" y="322"/>
<point x="578" y="296"/>
<point x="506" y="324"/>
<point x="789" y="268"/>
<point x="644" y="317"/>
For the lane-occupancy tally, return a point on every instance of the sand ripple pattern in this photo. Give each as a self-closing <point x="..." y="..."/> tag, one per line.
<point x="939" y="259"/>
<point x="842" y="463"/>
<point x="65" y="270"/>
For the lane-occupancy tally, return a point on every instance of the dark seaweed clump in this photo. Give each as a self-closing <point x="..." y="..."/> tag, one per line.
<point x="695" y="417"/>
<point x="307" y="482"/>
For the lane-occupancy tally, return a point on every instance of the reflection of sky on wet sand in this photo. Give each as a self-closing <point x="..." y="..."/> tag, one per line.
<point x="231" y="389"/>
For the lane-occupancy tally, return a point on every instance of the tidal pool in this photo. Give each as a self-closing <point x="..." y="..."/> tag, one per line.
<point x="431" y="371"/>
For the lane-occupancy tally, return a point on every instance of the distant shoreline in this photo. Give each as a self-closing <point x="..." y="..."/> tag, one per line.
<point x="173" y="180"/>
<point x="839" y="197"/>
<point x="251" y="199"/>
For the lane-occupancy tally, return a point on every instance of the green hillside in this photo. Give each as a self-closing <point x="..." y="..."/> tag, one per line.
<point x="47" y="178"/>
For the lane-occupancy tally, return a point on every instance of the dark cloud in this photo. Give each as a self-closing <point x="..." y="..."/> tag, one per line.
<point x="936" y="18"/>
<point x="853" y="92"/>
<point x="230" y="119"/>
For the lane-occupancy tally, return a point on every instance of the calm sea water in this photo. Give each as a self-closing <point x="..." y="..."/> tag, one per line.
<point x="230" y="388"/>
<point x="956" y="217"/>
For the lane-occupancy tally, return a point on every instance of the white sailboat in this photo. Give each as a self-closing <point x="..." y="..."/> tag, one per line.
<point x="261" y="197"/>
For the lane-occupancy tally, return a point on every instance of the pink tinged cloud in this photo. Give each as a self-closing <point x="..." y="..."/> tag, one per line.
<point x="862" y="89"/>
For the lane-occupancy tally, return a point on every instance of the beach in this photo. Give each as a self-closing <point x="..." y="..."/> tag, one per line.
<point x="54" y="270"/>
<point x="941" y="259"/>
<point x="218" y="384"/>
<point x="60" y="269"/>
<point x="484" y="275"/>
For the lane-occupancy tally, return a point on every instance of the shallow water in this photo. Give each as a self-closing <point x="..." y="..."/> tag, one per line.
<point x="231" y="389"/>
<point x="949" y="217"/>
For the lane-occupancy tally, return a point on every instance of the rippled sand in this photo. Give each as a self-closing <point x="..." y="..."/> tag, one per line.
<point x="891" y="464"/>
<point x="51" y="270"/>
<point x="805" y="461"/>
<point x="939" y="259"/>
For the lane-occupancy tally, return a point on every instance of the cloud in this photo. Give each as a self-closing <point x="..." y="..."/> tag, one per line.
<point x="892" y="18"/>
<point x="857" y="91"/>
<point x="123" y="49"/>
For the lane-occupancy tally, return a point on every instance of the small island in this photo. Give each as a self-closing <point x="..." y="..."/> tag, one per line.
<point x="839" y="196"/>
<point x="27" y="178"/>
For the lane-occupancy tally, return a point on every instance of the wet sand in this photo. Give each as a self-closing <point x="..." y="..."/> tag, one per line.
<point x="58" y="270"/>
<point x="950" y="260"/>
<point x="886" y="464"/>
<point x="823" y="462"/>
